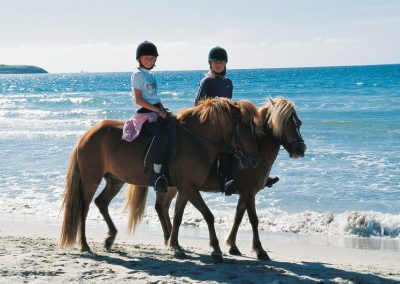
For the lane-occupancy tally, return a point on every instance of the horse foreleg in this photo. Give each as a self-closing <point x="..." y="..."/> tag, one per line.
<point x="198" y="202"/>
<point x="180" y="205"/>
<point x="251" y="211"/>
<point x="113" y="186"/>
<point x="231" y="241"/>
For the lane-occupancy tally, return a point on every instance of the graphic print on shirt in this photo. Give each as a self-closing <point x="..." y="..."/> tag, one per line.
<point x="151" y="87"/>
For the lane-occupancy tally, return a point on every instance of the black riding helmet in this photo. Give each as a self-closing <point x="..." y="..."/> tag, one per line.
<point x="218" y="53"/>
<point x="146" y="48"/>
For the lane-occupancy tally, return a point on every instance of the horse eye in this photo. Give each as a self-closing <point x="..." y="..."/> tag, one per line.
<point x="297" y="122"/>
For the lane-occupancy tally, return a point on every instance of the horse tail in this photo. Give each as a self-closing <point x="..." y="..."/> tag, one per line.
<point x="135" y="202"/>
<point x="72" y="203"/>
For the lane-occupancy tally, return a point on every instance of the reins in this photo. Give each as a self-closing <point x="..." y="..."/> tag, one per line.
<point x="236" y="152"/>
<point x="197" y="135"/>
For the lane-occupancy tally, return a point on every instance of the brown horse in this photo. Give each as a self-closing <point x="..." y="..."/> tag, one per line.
<point x="202" y="133"/>
<point x="277" y="125"/>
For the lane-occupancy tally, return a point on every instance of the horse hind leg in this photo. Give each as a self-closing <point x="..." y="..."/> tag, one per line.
<point x="89" y="189"/>
<point x="180" y="205"/>
<point x="163" y="202"/>
<point x="112" y="188"/>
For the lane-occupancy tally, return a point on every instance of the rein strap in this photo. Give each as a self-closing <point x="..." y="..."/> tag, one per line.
<point x="194" y="133"/>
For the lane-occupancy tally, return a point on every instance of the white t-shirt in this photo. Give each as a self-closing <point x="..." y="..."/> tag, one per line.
<point x="145" y="81"/>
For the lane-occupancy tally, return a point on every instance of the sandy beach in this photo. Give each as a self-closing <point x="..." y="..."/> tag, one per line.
<point x="29" y="253"/>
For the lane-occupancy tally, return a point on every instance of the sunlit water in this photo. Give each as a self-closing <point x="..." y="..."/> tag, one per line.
<point x="347" y="184"/>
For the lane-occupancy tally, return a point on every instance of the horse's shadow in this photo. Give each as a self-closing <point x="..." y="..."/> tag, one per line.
<point x="200" y="267"/>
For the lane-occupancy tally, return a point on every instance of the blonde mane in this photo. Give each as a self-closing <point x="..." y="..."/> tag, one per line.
<point x="219" y="111"/>
<point x="248" y="111"/>
<point x="275" y="113"/>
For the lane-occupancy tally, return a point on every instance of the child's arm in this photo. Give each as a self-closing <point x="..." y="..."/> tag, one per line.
<point x="143" y="103"/>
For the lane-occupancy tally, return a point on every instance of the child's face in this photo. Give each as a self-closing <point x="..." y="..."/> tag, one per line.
<point x="218" y="66"/>
<point x="148" y="60"/>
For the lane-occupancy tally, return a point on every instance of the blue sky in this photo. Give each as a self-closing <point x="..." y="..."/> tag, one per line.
<point x="101" y="36"/>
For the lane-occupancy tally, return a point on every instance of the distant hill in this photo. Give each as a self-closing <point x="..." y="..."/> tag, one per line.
<point x="20" y="69"/>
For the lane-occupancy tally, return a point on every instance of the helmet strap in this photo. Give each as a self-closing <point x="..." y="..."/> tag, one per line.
<point x="212" y="73"/>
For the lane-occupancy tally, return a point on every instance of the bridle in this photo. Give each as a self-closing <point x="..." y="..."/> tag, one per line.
<point x="236" y="151"/>
<point x="289" y="146"/>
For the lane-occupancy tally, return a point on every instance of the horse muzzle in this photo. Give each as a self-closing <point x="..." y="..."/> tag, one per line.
<point x="297" y="150"/>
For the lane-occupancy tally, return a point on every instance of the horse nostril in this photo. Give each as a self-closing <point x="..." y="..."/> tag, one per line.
<point x="299" y="150"/>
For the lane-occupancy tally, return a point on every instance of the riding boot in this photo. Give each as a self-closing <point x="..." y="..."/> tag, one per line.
<point x="271" y="181"/>
<point x="159" y="182"/>
<point x="229" y="186"/>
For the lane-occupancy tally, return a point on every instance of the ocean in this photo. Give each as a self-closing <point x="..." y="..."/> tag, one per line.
<point x="348" y="184"/>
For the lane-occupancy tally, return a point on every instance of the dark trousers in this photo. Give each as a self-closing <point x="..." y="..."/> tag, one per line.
<point x="159" y="145"/>
<point x="227" y="161"/>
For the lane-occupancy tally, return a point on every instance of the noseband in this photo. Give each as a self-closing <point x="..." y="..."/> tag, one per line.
<point x="289" y="146"/>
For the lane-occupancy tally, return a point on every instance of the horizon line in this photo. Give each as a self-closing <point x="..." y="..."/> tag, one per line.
<point x="230" y="69"/>
<point x="202" y="70"/>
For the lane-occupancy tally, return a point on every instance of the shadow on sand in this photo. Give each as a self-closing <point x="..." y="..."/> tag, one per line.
<point x="200" y="267"/>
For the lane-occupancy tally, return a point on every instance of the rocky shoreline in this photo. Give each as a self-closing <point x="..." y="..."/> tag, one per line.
<point x="20" y="69"/>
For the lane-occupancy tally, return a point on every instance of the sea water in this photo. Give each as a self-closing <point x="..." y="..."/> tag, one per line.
<point x="347" y="184"/>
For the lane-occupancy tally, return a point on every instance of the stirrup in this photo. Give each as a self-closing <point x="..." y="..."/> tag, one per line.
<point x="160" y="182"/>
<point x="271" y="181"/>
<point x="229" y="186"/>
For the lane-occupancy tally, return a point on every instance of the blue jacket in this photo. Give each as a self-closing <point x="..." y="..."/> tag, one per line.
<point x="211" y="87"/>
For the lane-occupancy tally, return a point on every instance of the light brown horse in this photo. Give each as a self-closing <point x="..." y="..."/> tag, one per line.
<point x="202" y="133"/>
<point x="277" y="125"/>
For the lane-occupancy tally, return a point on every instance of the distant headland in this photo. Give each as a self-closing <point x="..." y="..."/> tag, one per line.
<point x="20" y="69"/>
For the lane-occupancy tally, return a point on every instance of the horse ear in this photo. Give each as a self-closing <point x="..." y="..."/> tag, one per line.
<point x="236" y="112"/>
<point x="272" y="102"/>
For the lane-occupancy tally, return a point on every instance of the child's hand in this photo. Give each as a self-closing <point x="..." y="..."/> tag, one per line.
<point x="163" y="114"/>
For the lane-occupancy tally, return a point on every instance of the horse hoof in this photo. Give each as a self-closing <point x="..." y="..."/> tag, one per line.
<point x="234" y="251"/>
<point x="263" y="255"/>
<point x="180" y="254"/>
<point x="86" y="250"/>
<point x="108" y="243"/>
<point x="217" y="257"/>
